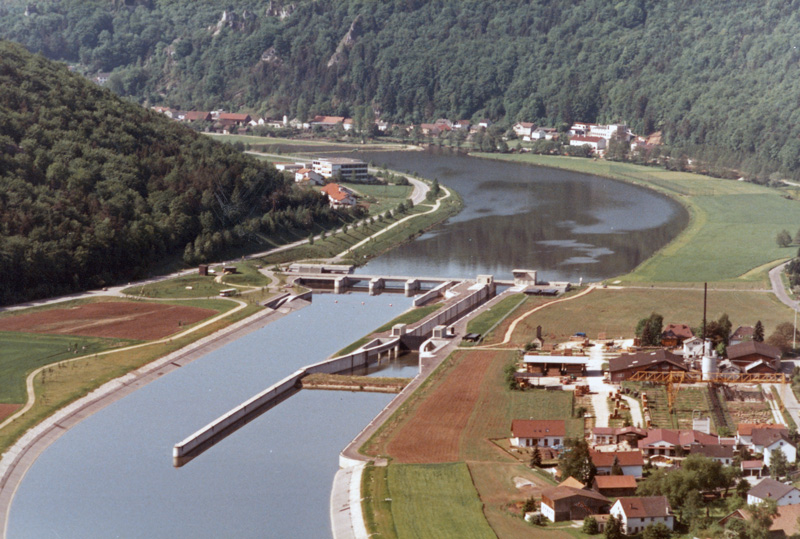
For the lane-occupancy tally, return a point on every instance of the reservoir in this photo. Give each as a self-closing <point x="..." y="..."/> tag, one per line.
<point x="112" y="475"/>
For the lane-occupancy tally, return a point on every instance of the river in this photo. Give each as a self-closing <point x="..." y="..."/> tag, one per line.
<point x="112" y="475"/>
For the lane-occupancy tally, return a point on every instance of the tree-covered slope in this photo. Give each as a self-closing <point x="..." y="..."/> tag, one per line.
<point x="718" y="77"/>
<point x="94" y="189"/>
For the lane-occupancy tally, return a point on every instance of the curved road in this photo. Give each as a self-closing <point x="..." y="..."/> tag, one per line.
<point x="779" y="289"/>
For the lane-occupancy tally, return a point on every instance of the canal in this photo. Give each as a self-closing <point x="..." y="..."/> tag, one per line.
<point x="112" y="475"/>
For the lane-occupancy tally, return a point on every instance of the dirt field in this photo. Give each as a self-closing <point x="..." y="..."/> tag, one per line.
<point x="8" y="409"/>
<point x="433" y="432"/>
<point x="111" y="319"/>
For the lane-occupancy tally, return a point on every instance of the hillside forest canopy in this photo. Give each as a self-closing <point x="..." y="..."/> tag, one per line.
<point x="716" y="77"/>
<point x="96" y="190"/>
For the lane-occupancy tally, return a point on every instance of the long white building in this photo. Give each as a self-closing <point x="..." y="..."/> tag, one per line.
<point x="345" y="167"/>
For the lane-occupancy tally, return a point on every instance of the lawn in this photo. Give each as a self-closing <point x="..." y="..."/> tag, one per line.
<point x="492" y="317"/>
<point x="381" y="197"/>
<point x="26" y="352"/>
<point x="436" y="501"/>
<point x="732" y="230"/>
<point x="201" y="286"/>
<point x="616" y="312"/>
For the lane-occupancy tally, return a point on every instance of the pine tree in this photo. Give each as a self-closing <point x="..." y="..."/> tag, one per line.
<point x="758" y="332"/>
<point x="536" y="457"/>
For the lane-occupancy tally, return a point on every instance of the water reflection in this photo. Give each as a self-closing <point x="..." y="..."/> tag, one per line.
<point x="564" y="224"/>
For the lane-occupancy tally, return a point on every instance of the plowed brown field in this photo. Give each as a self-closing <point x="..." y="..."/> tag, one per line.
<point x="112" y="319"/>
<point x="433" y="431"/>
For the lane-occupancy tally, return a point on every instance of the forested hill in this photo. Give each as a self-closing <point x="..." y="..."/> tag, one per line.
<point x="718" y="77"/>
<point x="94" y="189"/>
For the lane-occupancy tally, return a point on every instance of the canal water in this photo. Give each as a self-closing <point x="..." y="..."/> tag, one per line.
<point x="112" y="475"/>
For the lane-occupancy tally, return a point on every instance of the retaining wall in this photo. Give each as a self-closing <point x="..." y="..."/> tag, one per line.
<point x="432" y="293"/>
<point x="455" y="311"/>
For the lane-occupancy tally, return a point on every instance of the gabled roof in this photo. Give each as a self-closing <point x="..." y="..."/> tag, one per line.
<point x="746" y="429"/>
<point x="767" y="437"/>
<point x="193" y="115"/>
<point x="645" y="506"/>
<point x="328" y="119"/>
<point x="537" y="428"/>
<point x="335" y="192"/>
<point x="624" y="458"/>
<point x="615" y="481"/>
<point x="617" y="431"/>
<point x="770" y="489"/>
<point x="679" y="437"/>
<point x="644" y="360"/>
<point x="746" y="348"/>
<point x="752" y="464"/>
<point x="571" y="482"/>
<point x="235" y="117"/>
<point x="758" y="363"/>
<point x="560" y="493"/>
<point x="743" y="332"/>
<point x="682" y="331"/>
<point x="713" y="451"/>
<point x="526" y="125"/>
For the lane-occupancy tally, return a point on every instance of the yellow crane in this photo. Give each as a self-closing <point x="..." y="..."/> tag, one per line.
<point x="672" y="380"/>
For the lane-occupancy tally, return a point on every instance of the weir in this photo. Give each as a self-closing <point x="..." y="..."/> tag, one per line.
<point x="465" y="297"/>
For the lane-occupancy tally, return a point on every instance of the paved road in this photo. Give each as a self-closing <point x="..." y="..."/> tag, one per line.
<point x="420" y="190"/>
<point x="779" y="289"/>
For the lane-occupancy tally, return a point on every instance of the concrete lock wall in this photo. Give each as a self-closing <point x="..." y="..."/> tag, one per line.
<point x="223" y="422"/>
<point x="432" y="293"/>
<point x="456" y="310"/>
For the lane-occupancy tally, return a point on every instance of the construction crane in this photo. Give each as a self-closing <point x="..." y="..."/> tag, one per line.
<point x="672" y="380"/>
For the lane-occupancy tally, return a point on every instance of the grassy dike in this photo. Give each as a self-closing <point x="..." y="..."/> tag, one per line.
<point x="730" y="238"/>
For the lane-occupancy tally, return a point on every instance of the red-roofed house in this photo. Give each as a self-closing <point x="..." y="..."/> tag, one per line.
<point x="197" y="116"/>
<point x="615" y="486"/>
<point x="631" y="462"/>
<point x="227" y="119"/>
<point x="674" y="335"/>
<point x="667" y="441"/>
<point x="308" y="176"/>
<point x="744" y="431"/>
<point x="567" y="503"/>
<point x="541" y="432"/>
<point x="752" y="468"/>
<point x="638" y="513"/>
<point x="339" y="195"/>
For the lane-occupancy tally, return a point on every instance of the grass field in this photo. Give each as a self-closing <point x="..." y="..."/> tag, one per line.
<point x="201" y="286"/>
<point x="617" y="311"/>
<point x="732" y="230"/>
<point x="491" y="318"/>
<point x="436" y="501"/>
<point x="26" y="352"/>
<point x="381" y="197"/>
<point x="63" y="383"/>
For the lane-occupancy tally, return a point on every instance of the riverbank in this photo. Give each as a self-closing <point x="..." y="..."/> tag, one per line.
<point x="730" y="238"/>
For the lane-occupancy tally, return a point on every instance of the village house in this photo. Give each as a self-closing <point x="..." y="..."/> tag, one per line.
<point x="549" y="365"/>
<point x="568" y="503"/>
<point x="102" y="78"/>
<point x="693" y="348"/>
<point x="622" y="367"/>
<point x="770" y="489"/>
<point x="767" y="441"/>
<point x="752" y="468"/>
<point x="675" y="334"/>
<point x="631" y="462"/>
<point x="614" y="486"/>
<point x="197" y="116"/>
<point x="462" y="124"/>
<point x="546" y="133"/>
<point x="609" y="131"/>
<point x="720" y="453"/>
<point x="291" y="167"/>
<point x="636" y="514"/>
<point x="670" y="442"/>
<point x="597" y="144"/>
<point x="432" y="130"/>
<point x="541" y="432"/>
<point x="785" y="522"/>
<point x="524" y="129"/>
<point x="616" y="435"/>
<point x="230" y="119"/>
<point x="344" y="167"/>
<point x="306" y="176"/>
<point x="749" y="352"/>
<point x="325" y="122"/>
<point x="742" y="334"/>
<point x="744" y="432"/>
<point x="339" y="196"/>
<point x="485" y="123"/>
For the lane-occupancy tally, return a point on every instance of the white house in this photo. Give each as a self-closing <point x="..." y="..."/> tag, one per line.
<point x="609" y="131"/>
<point x="769" y="489"/>
<point x="541" y="432"/>
<point x="338" y="195"/>
<point x="767" y="441"/>
<point x="631" y="462"/>
<point x="638" y="513"/>
<point x="307" y="175"/>
<point x="598" y="144"/>
<point x="524" y="129"/>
